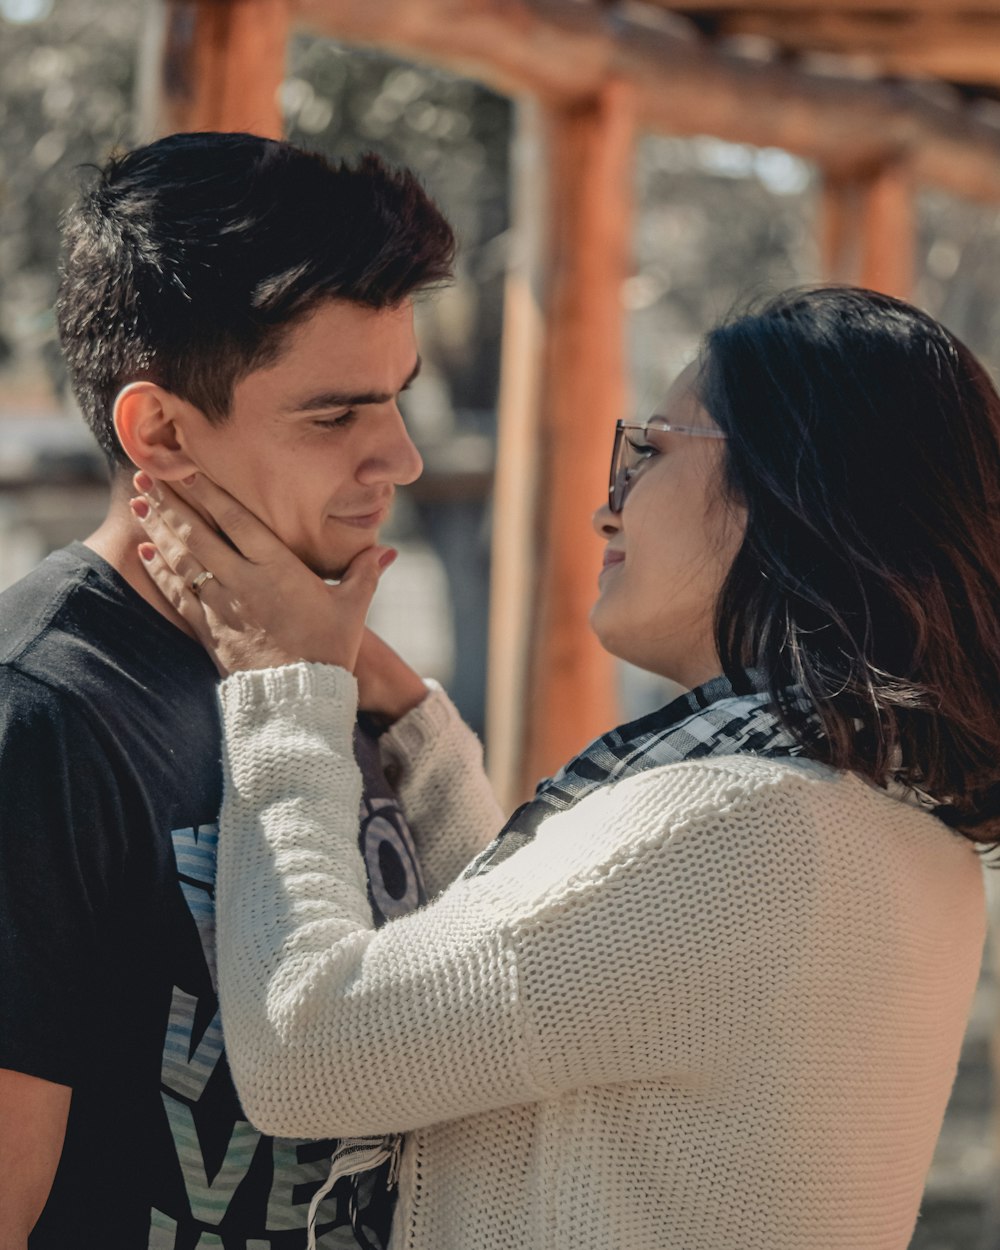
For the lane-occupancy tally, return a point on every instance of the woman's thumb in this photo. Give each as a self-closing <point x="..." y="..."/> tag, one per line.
<point x="367" y="567"/>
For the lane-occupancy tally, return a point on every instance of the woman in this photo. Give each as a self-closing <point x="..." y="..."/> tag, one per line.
<point x="708" y="988"/>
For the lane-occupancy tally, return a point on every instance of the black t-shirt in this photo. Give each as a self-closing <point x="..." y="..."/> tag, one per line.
<point x="110" y="786"/>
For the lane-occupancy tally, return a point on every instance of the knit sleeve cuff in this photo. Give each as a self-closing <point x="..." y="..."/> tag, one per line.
<point x="316" y="694"/>
<point x="421" y="727"/>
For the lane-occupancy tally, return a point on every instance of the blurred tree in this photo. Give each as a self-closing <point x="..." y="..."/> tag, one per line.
<point x="719" y="223"/>
<point x="717" y="219"/>
<point x="959" y="279"/>
<point x="455" y="135"/>
<point x="66" y="71"/>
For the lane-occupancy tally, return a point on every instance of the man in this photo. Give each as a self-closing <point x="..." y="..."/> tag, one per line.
<point x="235" y="306"/>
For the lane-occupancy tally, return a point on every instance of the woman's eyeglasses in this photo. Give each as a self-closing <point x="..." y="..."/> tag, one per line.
<point x="629" y="454"/>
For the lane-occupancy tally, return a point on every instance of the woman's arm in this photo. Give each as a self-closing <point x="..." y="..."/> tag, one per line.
<point x="314" y="1000"/>
<point x="575" y="962"/>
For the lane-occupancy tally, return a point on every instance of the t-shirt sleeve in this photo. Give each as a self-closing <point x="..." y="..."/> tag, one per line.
<point x="61" y="859"/>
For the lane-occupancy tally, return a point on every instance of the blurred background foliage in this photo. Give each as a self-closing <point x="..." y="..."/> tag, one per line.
<point x="717" y="222"/>
<point x="455" y="135"/>
<point x="67" y="75"/>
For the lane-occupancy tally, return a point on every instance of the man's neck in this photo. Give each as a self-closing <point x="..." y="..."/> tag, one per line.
<point x="117" y="539"/>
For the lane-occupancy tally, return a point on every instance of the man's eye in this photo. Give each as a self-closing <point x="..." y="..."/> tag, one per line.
<point x="337" y="423"/>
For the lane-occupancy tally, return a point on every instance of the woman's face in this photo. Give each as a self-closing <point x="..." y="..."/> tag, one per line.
<point x="669" y="550"/>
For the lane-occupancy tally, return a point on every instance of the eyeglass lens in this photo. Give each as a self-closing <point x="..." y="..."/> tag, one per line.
<point x="624" y="461"/>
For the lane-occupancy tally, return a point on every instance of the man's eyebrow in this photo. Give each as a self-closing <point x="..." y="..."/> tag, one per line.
<point x="353" y="399"/>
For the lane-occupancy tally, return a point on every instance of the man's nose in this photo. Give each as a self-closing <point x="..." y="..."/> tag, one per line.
<point x="394" y="458"/>
<point x="411" y="461"/>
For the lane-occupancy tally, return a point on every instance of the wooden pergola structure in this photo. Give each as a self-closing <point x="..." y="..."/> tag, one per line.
<point x="881" y="101"/>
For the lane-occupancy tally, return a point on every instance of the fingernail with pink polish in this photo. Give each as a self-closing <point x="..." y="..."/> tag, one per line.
<point x="140" y="507"/>
<point x="147" y="551"/>
<point x="143" y="481"/>
<point x="387" y="557"/>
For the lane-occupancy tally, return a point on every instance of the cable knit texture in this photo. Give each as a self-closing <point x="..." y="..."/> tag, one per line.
<point x="717" y="1006"/>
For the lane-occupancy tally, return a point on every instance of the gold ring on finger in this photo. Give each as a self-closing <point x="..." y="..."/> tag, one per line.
<point x="199" y="581"/>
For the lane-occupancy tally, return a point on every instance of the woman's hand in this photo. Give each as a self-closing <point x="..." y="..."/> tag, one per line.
<point x="386" y="683"/>
<point x="261" y="607"/>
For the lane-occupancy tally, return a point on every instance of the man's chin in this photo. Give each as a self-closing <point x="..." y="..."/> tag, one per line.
<point x="329" y="572"/>
<point x="330" y="568"/>
<point x="331" y="559"/>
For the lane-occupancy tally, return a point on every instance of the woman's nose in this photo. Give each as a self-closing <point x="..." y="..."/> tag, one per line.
<point x="605" y="522"/>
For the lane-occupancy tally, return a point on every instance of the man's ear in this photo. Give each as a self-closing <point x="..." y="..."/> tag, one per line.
<point x="151" y="424"/>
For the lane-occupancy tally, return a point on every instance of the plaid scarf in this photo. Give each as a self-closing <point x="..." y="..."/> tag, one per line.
<point x="709" y="720"/>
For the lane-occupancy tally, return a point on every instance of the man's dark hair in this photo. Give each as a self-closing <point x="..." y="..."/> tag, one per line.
<point x="864" y="442"/>
<point x="188" y="259"/>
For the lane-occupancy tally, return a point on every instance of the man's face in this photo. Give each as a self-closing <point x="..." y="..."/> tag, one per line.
<point x="314" y="444"/>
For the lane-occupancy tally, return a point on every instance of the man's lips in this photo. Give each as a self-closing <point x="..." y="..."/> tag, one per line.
<point x="365" y="520"/>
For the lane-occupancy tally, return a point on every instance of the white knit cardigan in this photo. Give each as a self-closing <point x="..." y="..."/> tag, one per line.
<point x="717" y="1006"/>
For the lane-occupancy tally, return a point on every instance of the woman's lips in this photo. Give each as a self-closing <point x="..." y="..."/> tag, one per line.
<point x="611" y="560"/>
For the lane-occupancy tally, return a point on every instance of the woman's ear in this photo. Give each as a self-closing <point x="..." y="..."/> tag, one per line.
<point x="150" y="423"/>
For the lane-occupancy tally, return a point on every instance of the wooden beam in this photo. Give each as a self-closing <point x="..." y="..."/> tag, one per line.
<point x="979" y="66"/>
<point x="220" y="66"/>
<point x="565" y="692"/>
<point x="563" y="52"/>
<point x="875" y="30"/>
<point x="720" y="7"/>
<point x="957" y="48"/>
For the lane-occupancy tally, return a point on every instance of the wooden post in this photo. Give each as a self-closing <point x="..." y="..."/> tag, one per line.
<point x="869" y="230"/>
<point x="889" y="225"/>
<point x="566" y="689"/>
<point x="840" y="229"/>
<point x="571" y="679"/>
<point x="219" y="66"/>
<point x="515" y="488"/>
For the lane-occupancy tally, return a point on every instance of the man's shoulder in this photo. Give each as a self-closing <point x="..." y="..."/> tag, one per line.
<point x="87" y="666"/>
<point x="33" y="611"/>
<point x="76" y="626"/>
<point x="27" y="701"/>
<point x="40" y="642"/>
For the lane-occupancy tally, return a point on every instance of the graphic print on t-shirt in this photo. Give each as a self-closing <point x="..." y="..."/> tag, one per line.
<point x="395" y="884"/>
<point x="198" y="1097"/>
<point x="243" y="1190"/>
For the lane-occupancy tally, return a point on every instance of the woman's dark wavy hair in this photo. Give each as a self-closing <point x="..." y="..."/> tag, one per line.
<point x="864" y="442"/>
